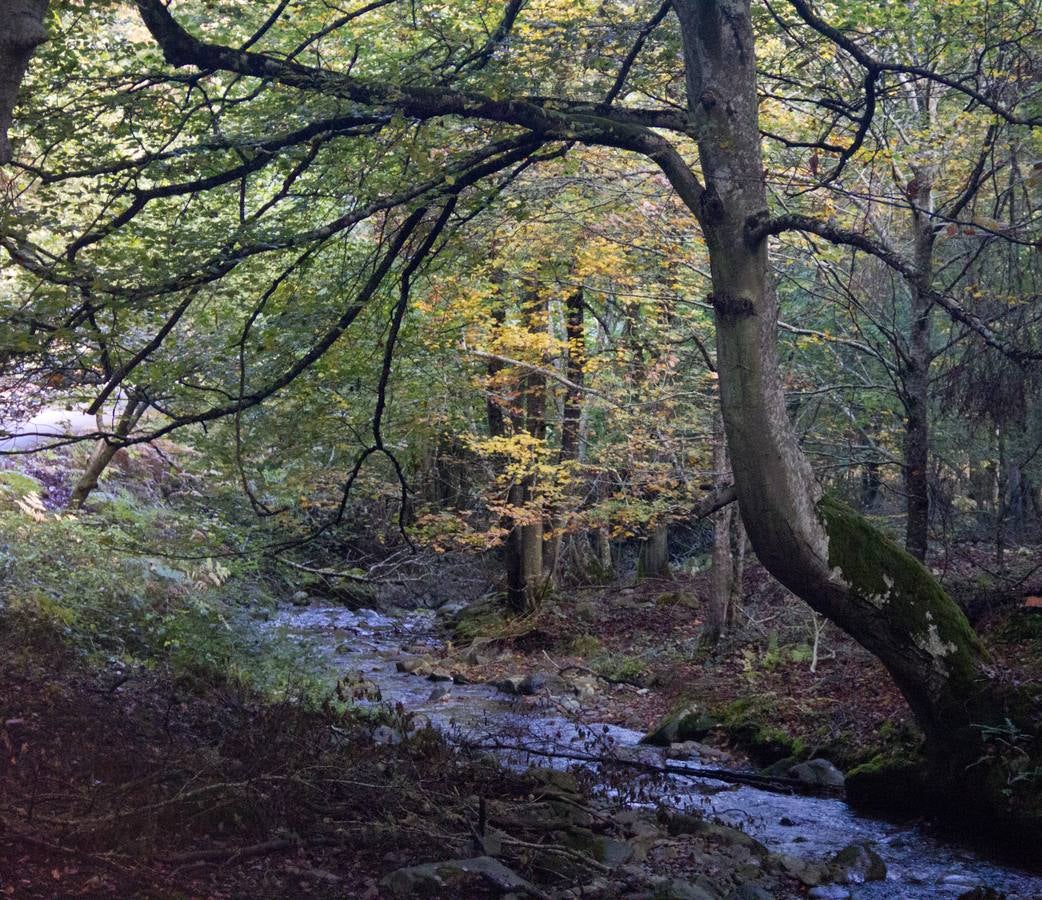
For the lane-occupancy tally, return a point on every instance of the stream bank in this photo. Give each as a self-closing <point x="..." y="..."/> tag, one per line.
<point x="398" y="656"/>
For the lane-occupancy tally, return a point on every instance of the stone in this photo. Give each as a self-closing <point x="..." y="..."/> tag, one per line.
<point x="750" y="891"/>
<point x="459" y="875"/>
<point x="533" y="683"/>
<point x="858" y="863"/>
<point x="829" y="892"/>
<point x="300" y="598"/>
<point x="982" y="893"/>
<point x="803" y="870"/>
<point x="818" y="772"/>
<point x="689" y="723"/>
<point x="509" y="685"/>
<point x="439" y="675"/>
<point x="410" y="666"/>
<point x="439" y="693"/>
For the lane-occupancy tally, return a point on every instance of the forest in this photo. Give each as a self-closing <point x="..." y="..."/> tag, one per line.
<point x="521" y="448"/>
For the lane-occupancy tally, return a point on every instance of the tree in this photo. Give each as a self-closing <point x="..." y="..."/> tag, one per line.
<point x="481" y="116"/>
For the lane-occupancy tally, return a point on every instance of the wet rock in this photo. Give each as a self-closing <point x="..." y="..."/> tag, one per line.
<point x="459" y="875"/>
<point x="958" y="879"/>
<point x="818" y="772"/>
<point x="459" y="678"/>
<point x="509" y="685"/>
<point x="688" y="723"/>
<point x="829" y="892"/>
<point x="786" y="822"/>
<point x="694" y="750"/>
<point x="439" y="693"/>
<point x="858" y="863"/>
<point x="532" y="684"/>
<point x="750" y="891"/>
<point x="300" y="598"/>
<point x="439" y="675"/>
<point x="803" y="870"/>
<point x="982" y="893"/>
<point x="410" y="666"/>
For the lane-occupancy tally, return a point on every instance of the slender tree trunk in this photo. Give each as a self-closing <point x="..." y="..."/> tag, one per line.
<point x="823" y="552"/>
<point x="654" y="554"/>
<point x="571" y="415"/>
<point x="21" y="32"/>
<point x="103" y="452"/>
<point x="915" y="373"/>
<point x="728" y="557"/>
<point x="721" y="574"/>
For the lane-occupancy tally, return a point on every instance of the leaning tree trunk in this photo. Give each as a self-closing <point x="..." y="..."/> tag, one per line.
<point x="104" y="450"/>
<point x="825" y="553"/>
<point x="21" y="33"/>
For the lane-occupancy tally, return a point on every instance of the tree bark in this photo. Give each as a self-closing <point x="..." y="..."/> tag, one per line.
<point x="823" y="552"/>
<point x="915" y="372"/>
<point x="653" y="561"/>
<point x="21" y="33"/>
<point x="104" y="450"/>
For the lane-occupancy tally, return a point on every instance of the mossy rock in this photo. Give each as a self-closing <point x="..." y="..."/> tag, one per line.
<point x="689" y="723"/>
<point x="744" y="723"/>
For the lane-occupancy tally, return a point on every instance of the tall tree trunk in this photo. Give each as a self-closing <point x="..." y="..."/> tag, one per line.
<point x="525" y="581"/>
<point x="823" y="552"/>
<point x="104" y="450"/>
<point x="571" y="415"/>
<point x="21" y="32"/>
<point x="915" y="373"/>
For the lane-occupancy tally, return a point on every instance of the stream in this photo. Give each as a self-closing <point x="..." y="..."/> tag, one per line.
<point x="919" y="865"/>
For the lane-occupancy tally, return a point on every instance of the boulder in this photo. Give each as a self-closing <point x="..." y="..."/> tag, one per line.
<point x="300" y="598"/>
<point x="817" y="773"/>
<point x="689" y="723"/>
<point x="439" y="675"/>
<point x="462" y="876"/>
<point x="533" y="683"/>
<point x="509" y="685"/>
<point x="856" y="864"/>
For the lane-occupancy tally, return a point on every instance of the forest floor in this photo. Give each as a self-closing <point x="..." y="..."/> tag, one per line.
<point x="131" y="782"/>
<point x="640" y="643"/>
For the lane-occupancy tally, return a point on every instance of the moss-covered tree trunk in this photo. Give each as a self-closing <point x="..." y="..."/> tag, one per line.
<point x="826" y="554"/>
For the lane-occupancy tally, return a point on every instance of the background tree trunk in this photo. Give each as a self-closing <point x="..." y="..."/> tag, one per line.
<point x="653" y="561"/>
<point x="21" y="32"/>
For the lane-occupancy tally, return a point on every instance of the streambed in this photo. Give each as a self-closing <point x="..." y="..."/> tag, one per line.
<point x="364" y="641"/>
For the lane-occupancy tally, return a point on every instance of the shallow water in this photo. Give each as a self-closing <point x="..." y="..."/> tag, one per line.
<point x="919" y="865"/>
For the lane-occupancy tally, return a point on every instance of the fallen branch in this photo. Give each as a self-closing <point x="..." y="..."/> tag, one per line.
<point x="776" y="783"/>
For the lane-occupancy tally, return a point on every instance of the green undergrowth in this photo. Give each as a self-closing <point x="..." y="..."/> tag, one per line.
<point x="134" y="585"/>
